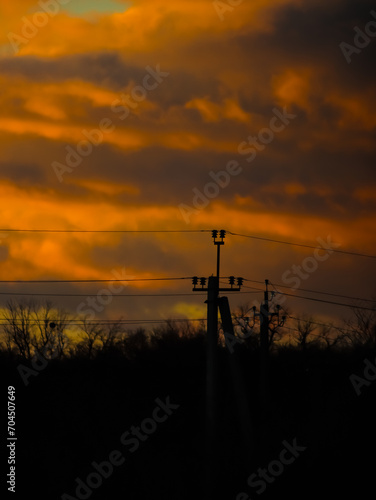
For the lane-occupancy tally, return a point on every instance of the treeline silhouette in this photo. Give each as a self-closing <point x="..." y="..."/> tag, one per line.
<point x="28" y="328"/>
<point x="94" y="387"/>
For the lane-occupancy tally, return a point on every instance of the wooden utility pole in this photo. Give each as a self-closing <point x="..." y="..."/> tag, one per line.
<point x="212" y="389"/>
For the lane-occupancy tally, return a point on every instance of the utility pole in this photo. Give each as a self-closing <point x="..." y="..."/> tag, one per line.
<point x="218" y="243"/>
<point x="265" y="319"/>
<point x="264" y="346"/>
<point x="213" y="289"/>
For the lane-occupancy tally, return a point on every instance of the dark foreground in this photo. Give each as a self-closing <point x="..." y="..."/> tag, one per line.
<point x="116" y="428"/>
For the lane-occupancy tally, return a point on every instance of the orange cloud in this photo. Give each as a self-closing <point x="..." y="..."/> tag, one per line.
<point x="145" y="25"/>
<point x="365" y="193"/>
<point x="212" y="112"/>
<point x="107" y="188"/>
<point x="224" y="85"/>
<point x="293" y="87"/>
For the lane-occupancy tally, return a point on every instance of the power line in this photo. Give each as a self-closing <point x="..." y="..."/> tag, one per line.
<point x="180" y="294"/>
<point x="95" y="280"/>
<point x="306" y="321"/>
<point x="330" y="302"/>
<point x="94" y="295"/>
<point x="346" y="252"/>
<point x="326" y="293"/>
<point x="115" y="295"/>
<point x="320" y="292"/>
<point x="10" y="321"/>
<point x="326" y="301"/>
<point x="254" y="289"/>
<point x="255" y="281"/>
<point x="255" y="237"/>
<point x="314" y="322"/>
<point x="251" y="289"/>
<point x="335" y="327"/>
<point x="106" y="230"/>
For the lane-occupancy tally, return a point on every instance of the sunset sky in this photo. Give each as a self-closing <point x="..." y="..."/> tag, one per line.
<point x="257" y="118"/>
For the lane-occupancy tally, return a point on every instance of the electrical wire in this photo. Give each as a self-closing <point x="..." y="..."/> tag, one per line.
<point x="325" y="293"/>
<point x="330" y="302"/>
<point x="310" y="321"/>
<point x="271" y="240"/>
<point x="96" y="294"/>
<point x="106" y="230"/>
<point x="311" y="291"/>
<point x="95" y="280"/>
<point x="250" y="236"/>
<point x="11" y="322"/>
<point x="117" y="295"/>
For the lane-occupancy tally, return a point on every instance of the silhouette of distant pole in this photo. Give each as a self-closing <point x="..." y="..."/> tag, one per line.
<point x="264" y="345"/>
<point x="211" y="385"/>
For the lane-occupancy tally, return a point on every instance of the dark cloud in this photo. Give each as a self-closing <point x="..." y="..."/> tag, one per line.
<point x="140" y="252"/>
<point x="109" y="69"/>
<point x="104" y="68"/>
<point x="23" y="173"/>
<point x="311" y="34"/>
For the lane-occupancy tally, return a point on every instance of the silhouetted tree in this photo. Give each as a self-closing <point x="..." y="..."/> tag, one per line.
<point x="247" y="326"/>
<point x="361" y="328"/>
<point x="168" y="333"/>
<point x="110" y="335"/>
<point x="90" y="334"/>
<point x="330" y="336"/>
<point x="17" y="328"/>
<point x="49" y="330"/>
<point x="305" y="326"/>
<point x="189" y="329"/>
<point x="30" y="328"/>
<point x="133" y="342"/>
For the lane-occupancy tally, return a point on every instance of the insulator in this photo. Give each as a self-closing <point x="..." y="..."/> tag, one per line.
<point x="240" y="281"/>
<point x="202" y="281"/>
<point x="194" y="280"/>
<point x="214" y="233"/>
<point x="222" y="233"/>
<point x="232" y="280"/>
